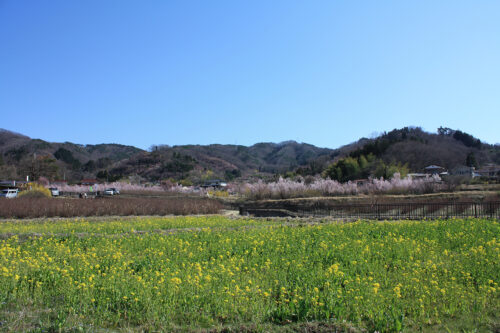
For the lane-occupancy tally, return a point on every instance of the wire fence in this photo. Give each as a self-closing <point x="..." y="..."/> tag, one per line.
<point x="411" y="211"/>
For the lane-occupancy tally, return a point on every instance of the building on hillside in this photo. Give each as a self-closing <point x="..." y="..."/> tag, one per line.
<point x="464" y="171"/>
<point x="89" y="182"/>
<point x="361" y="182"/>
<point x="489" y="171"/>
<point x="7" y="183"/>
<point x="435" y="170"/>
<point x="19" y="184"/>
<point x="418" y="175"/>
<point x="215" y="183"/>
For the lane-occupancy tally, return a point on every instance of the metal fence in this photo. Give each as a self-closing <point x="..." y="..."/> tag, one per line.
<point x="392" y="211"/>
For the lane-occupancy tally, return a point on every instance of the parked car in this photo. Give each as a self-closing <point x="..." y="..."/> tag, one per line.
<point x="111" y="191"/>
<point x="9" y="193"/>
<point x="54" y="191"/>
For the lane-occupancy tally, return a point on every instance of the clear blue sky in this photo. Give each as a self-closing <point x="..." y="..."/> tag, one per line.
<point x="321" y="72"/>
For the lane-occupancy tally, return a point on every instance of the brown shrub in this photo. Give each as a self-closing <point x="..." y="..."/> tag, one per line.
<point x="62" y="207"/>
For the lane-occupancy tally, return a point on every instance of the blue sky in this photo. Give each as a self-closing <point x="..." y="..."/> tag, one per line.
<point x="241" y="72"/>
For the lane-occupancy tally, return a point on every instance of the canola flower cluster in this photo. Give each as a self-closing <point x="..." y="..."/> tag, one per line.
<point x="122" y="225"/>
<point x="380" y="276"/>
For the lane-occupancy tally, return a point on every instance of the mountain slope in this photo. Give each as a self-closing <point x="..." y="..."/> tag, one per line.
<point x="409" y="149"/>
<point x="221" y="161"/>
<point x="21" y="156"/>
<point x="419" y="149"/>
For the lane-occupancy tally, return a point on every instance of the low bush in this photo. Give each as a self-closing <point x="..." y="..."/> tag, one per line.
<point x="31" y="207"/>
<point x="36" y="191"/>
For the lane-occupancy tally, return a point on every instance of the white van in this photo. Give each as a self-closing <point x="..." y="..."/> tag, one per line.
<point x="9" y="193"/>
<point x="54" y="191"/>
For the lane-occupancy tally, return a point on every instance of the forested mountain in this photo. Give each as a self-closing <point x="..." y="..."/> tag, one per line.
<point x="406" y="149"/>
<point x="220" y="161"/>
<point x="21" y="156"/>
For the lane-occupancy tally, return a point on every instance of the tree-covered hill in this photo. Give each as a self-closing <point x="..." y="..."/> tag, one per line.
<point x="407" y="149"/>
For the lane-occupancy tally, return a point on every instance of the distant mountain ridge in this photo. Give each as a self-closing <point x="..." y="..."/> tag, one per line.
<point x="221" y="161"/>
<point x="21" y="156"/>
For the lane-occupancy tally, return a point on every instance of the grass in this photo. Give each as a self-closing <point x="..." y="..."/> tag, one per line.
<point x="225" y="274"/>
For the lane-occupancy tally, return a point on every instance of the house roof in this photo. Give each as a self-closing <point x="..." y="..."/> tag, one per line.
<point x="432" y="167"/>
<point x="89" y="181"/>
<point x="489" y="168"/>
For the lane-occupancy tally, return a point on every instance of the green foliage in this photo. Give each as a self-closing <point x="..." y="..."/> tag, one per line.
<point x="90" y="166"/>
<point x="467" y="139"/>
<point x="387" y="171"/>
<point x="350" y="168"/>
<point x="179" y="164"/>
<point x="67" y="157"/>
<point x="103" y="162"/>
<point x="17" y="153"/>
<point x="288" y="174"/>
<point x="104" y="175"/>
<point x="439" y="275"/>
<point x="470" y="160"/>
<point x="311" y="169"/>
<point x="379" y="146"/>
<point x="232" y="174"/>
<point x="186" y="182"/>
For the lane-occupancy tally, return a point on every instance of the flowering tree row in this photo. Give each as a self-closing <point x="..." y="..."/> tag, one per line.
<point x="122" y="187"/>
<point x="285" y="188"/>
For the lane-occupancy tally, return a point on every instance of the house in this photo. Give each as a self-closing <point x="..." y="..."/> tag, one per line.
<point x="435" y="170"/>
<point x="464" y="171"/>
<point x="361" y="182"/>
<point x="418" y="175"/>
<point x="5" y="184"/>
<point x="89" y="182"/>
<point x="215" y="183"/>
<point x="489" y="171"/>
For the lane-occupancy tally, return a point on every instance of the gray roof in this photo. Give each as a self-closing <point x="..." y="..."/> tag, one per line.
<point x="433" y="167"/>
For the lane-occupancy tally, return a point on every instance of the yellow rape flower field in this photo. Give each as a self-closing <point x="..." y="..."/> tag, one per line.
<point x="213" y="272"/>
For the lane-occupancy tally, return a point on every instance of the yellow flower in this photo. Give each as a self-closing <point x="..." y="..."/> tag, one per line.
<point x="176" y="280"/>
